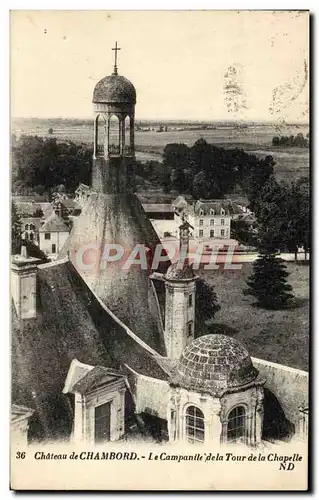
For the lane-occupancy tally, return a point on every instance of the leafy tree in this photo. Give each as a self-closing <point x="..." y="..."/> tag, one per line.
<point x="206" y="305"/>
<point x="298" y="141"/>
<point x="268" y="282"/>
<point x="176" y="157"/>
<point x="46" y="162"/>
<point x="275" y="140"/>
<point x="15" y="230"/>
<point x="282" y="212"/>
<point x="244" y="233"/>
<point x="38" y="213"/>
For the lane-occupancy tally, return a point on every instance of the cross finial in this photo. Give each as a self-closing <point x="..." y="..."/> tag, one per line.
<point x="116" y="49"/>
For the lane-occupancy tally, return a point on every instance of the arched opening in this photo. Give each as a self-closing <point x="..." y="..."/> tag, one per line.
<point x="100" y="135"/>
<point x="114" y="135"/>
<point x="127" y="135"/>
<point x="31" y="236"/>
<point x="236" y="425"/>
<point x="194" y="425"/>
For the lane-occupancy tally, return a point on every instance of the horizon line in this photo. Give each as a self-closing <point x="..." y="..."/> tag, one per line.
<point x="179" y="120"/>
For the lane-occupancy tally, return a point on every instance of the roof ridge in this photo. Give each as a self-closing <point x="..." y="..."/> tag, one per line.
<point x="133" y="335"/>
<point x="54" y="263"/>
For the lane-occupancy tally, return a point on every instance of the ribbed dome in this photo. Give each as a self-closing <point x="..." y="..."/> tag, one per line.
<point x="212" y="364"/>
<point x="177" y="272"/>
<point x="114" y="89"/>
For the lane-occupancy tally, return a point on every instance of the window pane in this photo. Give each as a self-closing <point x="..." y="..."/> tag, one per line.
<point x="236" y="428"/>
<point x="194" y="425"/>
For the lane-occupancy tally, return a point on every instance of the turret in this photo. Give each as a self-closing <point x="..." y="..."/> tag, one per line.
<point x="114" y="100"/>
<point x="180" y="299"/>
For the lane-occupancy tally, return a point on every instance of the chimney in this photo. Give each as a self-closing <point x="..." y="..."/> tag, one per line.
<point x="24" y="284"/>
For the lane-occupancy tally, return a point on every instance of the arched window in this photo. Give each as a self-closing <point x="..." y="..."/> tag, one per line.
<point x="31" y="236"/>
<point x="236" y="426"/>
<point x="100" y="135"/>
<point x="114" y="135"/>
<point x="194" y="425"/>
<point x="26" y="227"/>
<point x="127" y="135"/>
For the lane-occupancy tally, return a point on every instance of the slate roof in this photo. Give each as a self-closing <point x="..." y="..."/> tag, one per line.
<point x="206" y="206"/>
<point x="54" y="224"/>
<point x="114" y="89"/>
<point x="36" y="221"/>
<point x="96" y="378"/>
<point x="19" y="412"/>
<point x="180" y="271"/>
<point x="129" y="294"/>
<point x="71" y="323"/>
<point x="158" y="207"/>
<point x="214" y="364"/>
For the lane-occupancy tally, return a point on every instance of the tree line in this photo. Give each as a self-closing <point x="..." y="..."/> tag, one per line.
<point x="40" y="165"/>
<point x="297" y="141"/>
<point x="203" y="170"/>
<point x="207" y="171"/>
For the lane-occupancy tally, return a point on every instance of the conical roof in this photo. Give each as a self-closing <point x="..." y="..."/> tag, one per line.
<point x="108" y="219"/>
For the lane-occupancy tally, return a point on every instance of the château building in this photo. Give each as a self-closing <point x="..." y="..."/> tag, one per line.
<point x="103" y="353"/>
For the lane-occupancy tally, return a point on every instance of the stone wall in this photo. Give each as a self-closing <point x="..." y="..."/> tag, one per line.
<point x="152" y="396"/>
<point x="289" y="385"/>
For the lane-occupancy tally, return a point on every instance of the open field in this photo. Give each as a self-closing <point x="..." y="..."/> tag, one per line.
<point x="277" y="336"/>
<point x="291" y="163"/>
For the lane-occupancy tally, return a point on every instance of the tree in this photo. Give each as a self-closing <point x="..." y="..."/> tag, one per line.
<point x="282" y="213"/>
<point x="38" y="212"/>
<point x="275" y="140"/>
<point x="206" y="305"/>
<point x="46" y="162"/>
<point x="268" y="282"/>
<point x="15" y="230"/>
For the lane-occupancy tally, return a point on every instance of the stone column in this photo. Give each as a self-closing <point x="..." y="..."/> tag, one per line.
<point x="216" y="426"/>
<point x="132" y="146"/>
<point x="259" y="414"/>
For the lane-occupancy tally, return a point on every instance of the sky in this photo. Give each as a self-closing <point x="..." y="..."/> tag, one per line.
<point x="187" y="65"/>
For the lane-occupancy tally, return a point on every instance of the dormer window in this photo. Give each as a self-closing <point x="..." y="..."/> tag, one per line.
<point x="222" y="211"/>
<point x="212" y="211"/>
<point x="201" y="212"/>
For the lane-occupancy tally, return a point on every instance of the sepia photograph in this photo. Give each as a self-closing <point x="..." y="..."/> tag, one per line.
<point x="160" y="250"/>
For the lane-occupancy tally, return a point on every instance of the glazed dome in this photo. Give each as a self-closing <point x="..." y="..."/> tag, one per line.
<point x="114" y="89"/>
<point x="176" y="272"/>
<point x="214" y="364"/>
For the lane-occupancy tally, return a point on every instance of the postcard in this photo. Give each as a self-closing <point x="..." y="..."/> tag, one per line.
<point x="160" y="250"/>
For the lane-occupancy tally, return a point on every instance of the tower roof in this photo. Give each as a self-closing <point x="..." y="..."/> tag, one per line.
<point x="114" y="89"/>
<point x="214" y="364"/>
<point x="108" y="219"/>
<point x="54" y="223"/>
<point x="180" y="271"/>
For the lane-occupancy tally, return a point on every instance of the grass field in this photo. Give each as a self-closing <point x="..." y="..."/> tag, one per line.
<point x="291" y="163"/>
<point x="278" y="336"/>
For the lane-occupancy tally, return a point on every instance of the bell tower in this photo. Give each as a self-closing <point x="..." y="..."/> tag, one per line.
<point x="114" y="100"/>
